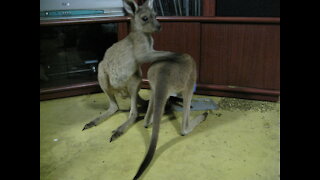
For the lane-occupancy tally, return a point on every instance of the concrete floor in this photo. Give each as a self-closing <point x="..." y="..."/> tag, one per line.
<point x="240" y="141"/>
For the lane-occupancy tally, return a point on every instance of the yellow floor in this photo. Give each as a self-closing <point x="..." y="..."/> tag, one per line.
<point x="240" y="141"/>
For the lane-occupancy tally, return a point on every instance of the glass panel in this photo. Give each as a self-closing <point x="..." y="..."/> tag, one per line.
<point x="178" y="7"/>
<point x="248" y="8"/>
<point x="70" y="54"/>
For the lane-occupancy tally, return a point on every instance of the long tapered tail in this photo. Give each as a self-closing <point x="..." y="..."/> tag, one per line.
<point x="158" y="106"/>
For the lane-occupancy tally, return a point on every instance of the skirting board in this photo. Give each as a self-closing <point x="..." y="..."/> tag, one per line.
<point x="232" y="91"/>
<point x="202" y="89"/>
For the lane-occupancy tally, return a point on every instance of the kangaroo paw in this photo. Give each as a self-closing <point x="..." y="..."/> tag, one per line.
<point x="146" y="125"/>
<point x="89" y="125"/>
<point x="116" y="133"/>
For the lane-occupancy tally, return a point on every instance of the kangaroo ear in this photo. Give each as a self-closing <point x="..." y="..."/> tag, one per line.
<point x="149" y="3"/>
<point x="130" y="6"/>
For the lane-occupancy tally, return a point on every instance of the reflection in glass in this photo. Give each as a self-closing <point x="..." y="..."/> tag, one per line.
<point x="70" y="54"/>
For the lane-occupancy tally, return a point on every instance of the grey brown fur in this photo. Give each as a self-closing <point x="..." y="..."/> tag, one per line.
<point x="119" y="71"/>
<point x="172" y="74"/>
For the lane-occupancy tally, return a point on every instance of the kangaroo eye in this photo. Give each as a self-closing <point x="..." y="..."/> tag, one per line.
<point x="145" y="18"/>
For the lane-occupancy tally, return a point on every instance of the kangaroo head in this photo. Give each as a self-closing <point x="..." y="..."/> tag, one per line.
<point x="143" y="18"/>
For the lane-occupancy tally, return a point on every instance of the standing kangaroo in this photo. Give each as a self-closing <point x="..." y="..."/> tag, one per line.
<point x="120" y="72"/>
<point x="172" y="74"/>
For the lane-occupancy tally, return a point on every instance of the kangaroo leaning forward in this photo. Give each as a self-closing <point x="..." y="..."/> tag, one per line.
<point x="119" y="71"/>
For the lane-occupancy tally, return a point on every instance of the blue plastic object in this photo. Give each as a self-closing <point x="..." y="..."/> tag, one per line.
<point x="198" y="104"/>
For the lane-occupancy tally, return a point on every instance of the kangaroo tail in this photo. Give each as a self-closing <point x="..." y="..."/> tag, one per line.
<point x="160" y="98"/>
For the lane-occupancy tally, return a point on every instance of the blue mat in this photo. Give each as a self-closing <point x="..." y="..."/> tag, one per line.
<point x="198" y="104"/>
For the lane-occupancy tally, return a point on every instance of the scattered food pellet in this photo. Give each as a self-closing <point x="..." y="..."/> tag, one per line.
<point x="232" y="104"/>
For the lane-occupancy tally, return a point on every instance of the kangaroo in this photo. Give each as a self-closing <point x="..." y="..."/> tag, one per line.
<point x="120" y="72"/>
<point x="172" y="74"/>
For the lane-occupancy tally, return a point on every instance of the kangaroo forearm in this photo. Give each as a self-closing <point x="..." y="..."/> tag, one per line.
<point x="153" y="56"/>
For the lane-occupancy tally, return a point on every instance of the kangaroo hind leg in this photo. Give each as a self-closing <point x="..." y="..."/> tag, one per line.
<point x="113" y="106"/>
<point x="187" y="124"/>
<point x="133" y="87"/>
<point x="148" y="117"/>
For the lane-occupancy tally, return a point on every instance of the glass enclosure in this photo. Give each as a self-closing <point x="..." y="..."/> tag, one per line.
<point x="248" y="8"/>
<point x="70" y="54"/>
<point x="178" y="7"/>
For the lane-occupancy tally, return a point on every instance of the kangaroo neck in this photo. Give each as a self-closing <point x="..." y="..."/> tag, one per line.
<point x="141" y="34"/>
<point x="141" y="39"/>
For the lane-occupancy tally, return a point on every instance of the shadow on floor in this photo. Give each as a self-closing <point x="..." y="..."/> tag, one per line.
<point x="211" y="122"/>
